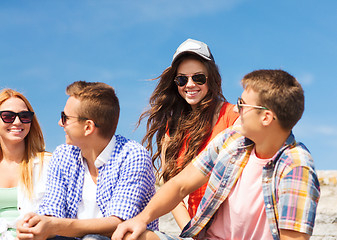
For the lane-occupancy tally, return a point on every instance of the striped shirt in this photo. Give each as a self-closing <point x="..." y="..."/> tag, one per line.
<point x="125" y="183"/>
<point x="289" y="183"/>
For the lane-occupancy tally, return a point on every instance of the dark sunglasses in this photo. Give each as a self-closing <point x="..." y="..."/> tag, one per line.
<point x="198" y="78"/>
<point x="9" y="116"/>
<point x="64" y="118"/>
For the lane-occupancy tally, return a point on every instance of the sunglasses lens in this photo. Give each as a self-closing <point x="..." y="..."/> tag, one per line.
<point x="199" y="79"/>
<point x="63" y="118"/>
<point x="26" y="117"/>
<point x="181" y="80"/>
<point x="239" y="104"/>
<point x="8" y="117"/>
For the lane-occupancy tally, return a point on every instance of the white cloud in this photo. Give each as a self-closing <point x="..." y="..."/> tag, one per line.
<point x="182" y="9"/>
<point x="310" y="130"/>
<point x="91" y="17"/>
<point x="306" y="79"/>
<point x="38" y="72"/>
<point x="326" y="130"/>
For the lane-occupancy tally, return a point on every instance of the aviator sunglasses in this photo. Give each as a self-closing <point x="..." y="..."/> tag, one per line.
<point x="9" y="116"/>
<point x="198" y="78"/>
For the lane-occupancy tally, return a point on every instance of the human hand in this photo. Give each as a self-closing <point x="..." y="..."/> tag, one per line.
<point x="33" y="227"/>
<point x="135" y="226"/>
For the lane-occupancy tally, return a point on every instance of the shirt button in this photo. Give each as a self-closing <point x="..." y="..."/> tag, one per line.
<point x="266" y="179"/>
<point x="268" y="205"/>
<point x="274" y="230"/>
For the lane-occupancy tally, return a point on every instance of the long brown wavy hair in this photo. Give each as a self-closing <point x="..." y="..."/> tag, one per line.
<point x="34" y="143"/>
<point x="169" y="112"/>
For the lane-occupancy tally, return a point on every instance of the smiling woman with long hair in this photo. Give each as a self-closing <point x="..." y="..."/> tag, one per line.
<point x="23" y="160"/>
<point x="187" y="110"/>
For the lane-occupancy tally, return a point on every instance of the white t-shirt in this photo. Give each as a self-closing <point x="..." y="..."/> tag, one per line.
<point x="88" y="207"/>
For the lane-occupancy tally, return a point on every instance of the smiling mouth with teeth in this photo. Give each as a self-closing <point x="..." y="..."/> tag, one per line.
<point x="15" y="130"/>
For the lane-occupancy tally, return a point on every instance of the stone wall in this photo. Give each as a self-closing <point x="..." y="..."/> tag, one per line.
<point x="327" y="177"/>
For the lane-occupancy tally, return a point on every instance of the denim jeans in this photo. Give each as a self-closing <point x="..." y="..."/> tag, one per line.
<point x="164" y="236"/>
<point x="86" y="237"/>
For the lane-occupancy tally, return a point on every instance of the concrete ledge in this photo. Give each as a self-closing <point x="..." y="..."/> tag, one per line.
<point x="327" y="177"/>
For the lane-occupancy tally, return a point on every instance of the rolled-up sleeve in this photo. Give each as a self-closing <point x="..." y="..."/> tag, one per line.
<point x="133" y="183"/>
<point x="298" y="199"/>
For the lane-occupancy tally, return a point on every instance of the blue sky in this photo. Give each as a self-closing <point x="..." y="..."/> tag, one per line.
<point x="47" y="44"/>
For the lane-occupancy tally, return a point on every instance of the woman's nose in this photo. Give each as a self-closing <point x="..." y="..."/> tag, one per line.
<point x="190" y="82"/>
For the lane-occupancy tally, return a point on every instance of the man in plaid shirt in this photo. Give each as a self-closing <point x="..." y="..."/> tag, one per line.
<point x="261" y="182"/>
<point x="97" y="179"/>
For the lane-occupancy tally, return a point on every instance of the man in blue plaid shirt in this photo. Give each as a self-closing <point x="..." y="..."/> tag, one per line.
<point x="97" y="179"/>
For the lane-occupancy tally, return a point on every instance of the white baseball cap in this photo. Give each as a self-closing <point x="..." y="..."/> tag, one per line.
<point x="193" y="46"/>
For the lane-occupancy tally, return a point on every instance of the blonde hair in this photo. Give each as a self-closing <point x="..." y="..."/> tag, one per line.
<point x="34" y="144"/>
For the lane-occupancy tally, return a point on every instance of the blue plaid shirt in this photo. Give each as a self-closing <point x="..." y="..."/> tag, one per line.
<point x="289" y="183"/>
<point x="124" y="186"/>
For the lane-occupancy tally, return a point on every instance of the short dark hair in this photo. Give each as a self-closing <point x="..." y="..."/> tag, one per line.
<point x="98" y="103"/>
